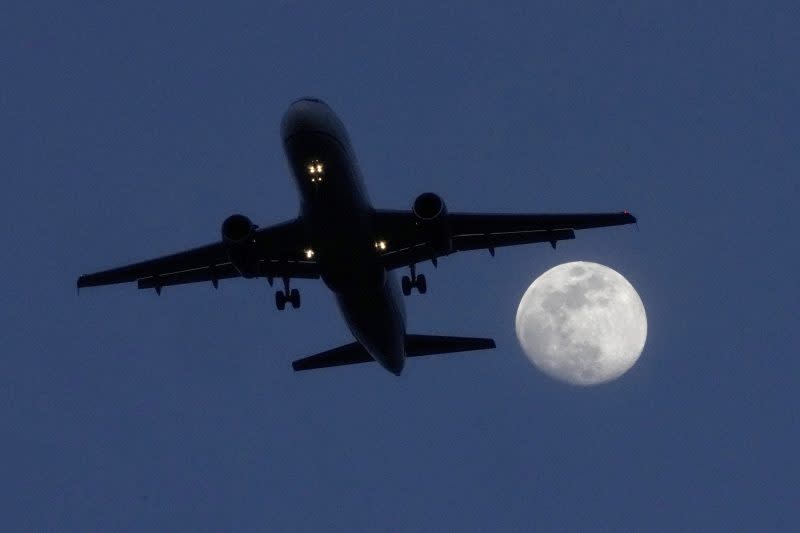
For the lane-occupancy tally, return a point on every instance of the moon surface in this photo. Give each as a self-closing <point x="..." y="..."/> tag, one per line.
<point x="582" y="323"/>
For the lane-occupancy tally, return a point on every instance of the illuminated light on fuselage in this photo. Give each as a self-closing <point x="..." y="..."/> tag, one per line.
<point x="315" y="169"/>
<point x="309" y="253"/>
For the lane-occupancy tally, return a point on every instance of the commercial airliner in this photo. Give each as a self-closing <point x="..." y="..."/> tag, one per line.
<point x="353" y="247"/>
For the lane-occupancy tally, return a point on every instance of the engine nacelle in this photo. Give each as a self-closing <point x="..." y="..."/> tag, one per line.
<point x="431" y="213"/>
<point x="237" y="234"/>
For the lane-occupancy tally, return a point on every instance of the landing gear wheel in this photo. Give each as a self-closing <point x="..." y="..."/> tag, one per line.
<point x="280" y="300"/>
<point x="422" y="284"/>
<point x="294" y="297"/>
<point x="406" y="283"/>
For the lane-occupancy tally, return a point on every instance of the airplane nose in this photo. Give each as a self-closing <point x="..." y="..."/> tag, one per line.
<point x="308" y="100"/>
<point x="304" y="115"/>
<point x="307" y="115"/>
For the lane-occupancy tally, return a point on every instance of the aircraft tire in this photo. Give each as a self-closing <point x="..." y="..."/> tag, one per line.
<point x="406" y="283"/>
<point x="280" y="300"/>
<point x="422" y="284"/>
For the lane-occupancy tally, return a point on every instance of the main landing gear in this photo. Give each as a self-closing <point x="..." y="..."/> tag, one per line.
<point x="414" y="282"/>
<point x="291" y="296"/>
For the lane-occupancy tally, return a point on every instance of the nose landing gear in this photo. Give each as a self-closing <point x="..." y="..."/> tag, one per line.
<point x="414" y="282"/>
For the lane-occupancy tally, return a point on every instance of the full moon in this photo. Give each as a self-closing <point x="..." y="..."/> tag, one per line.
<point x="582" y="323"/>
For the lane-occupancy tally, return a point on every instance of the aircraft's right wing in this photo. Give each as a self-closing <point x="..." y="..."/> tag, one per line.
<point x="278" y="249"/>
<point x="407" y="243"/>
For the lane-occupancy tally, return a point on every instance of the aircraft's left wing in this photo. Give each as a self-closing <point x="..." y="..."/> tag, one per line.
<point x="279" y="253"/>
<point x="406" y="241"/>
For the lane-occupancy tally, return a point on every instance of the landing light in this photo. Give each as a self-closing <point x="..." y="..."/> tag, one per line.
<point x="315" y="167"/>
<point x="309" y="253"/>
<point x="380" y="245"/>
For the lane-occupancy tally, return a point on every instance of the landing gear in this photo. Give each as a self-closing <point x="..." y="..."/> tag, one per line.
<point x="414" y="282"/>
<point x="291" y="296"/>
<point x="422" y="284"/>
<point x="406" y="284"/>
<point x="280" y="300"/>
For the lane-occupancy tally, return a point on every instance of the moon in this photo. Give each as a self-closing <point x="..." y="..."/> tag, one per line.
<point x="582" y="323"/>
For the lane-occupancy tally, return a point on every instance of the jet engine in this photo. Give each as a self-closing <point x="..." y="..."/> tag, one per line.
<point x="431" y="213"/>
<point x="237" y="234"/>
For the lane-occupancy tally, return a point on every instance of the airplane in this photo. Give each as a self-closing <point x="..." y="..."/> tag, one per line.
<point x="354" y="248"/>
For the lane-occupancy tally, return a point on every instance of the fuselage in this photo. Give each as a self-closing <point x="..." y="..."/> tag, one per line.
<point x="337" y="215"/>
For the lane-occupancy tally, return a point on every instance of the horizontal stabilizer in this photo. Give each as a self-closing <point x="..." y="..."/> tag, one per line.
<point x="349" y="354"/>
<point x="419" y="345"/>
<point x="416" y="346"/>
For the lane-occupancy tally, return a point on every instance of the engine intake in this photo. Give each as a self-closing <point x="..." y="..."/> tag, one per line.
<point x="237" y="235"/>
<point x="429" y="206"/>
<point x="431" y="213"/>
<point x="237" y="228"/>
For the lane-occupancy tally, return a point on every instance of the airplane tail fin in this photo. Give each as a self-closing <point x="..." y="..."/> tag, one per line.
<point x="416" y="346"/>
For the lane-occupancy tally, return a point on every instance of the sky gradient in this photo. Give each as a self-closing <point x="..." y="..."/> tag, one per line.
<point x="132" y="132"/>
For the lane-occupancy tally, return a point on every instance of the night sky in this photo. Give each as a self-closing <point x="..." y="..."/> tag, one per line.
<point x="128" y="133"/>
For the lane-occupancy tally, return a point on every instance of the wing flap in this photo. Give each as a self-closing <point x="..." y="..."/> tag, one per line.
<point x="481" y="242"/>
<point x="274" y="269"/>
<point x="196" y="275"/>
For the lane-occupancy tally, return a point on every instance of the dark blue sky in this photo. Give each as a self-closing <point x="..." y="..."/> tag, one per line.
<point x="132" y="132"/>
